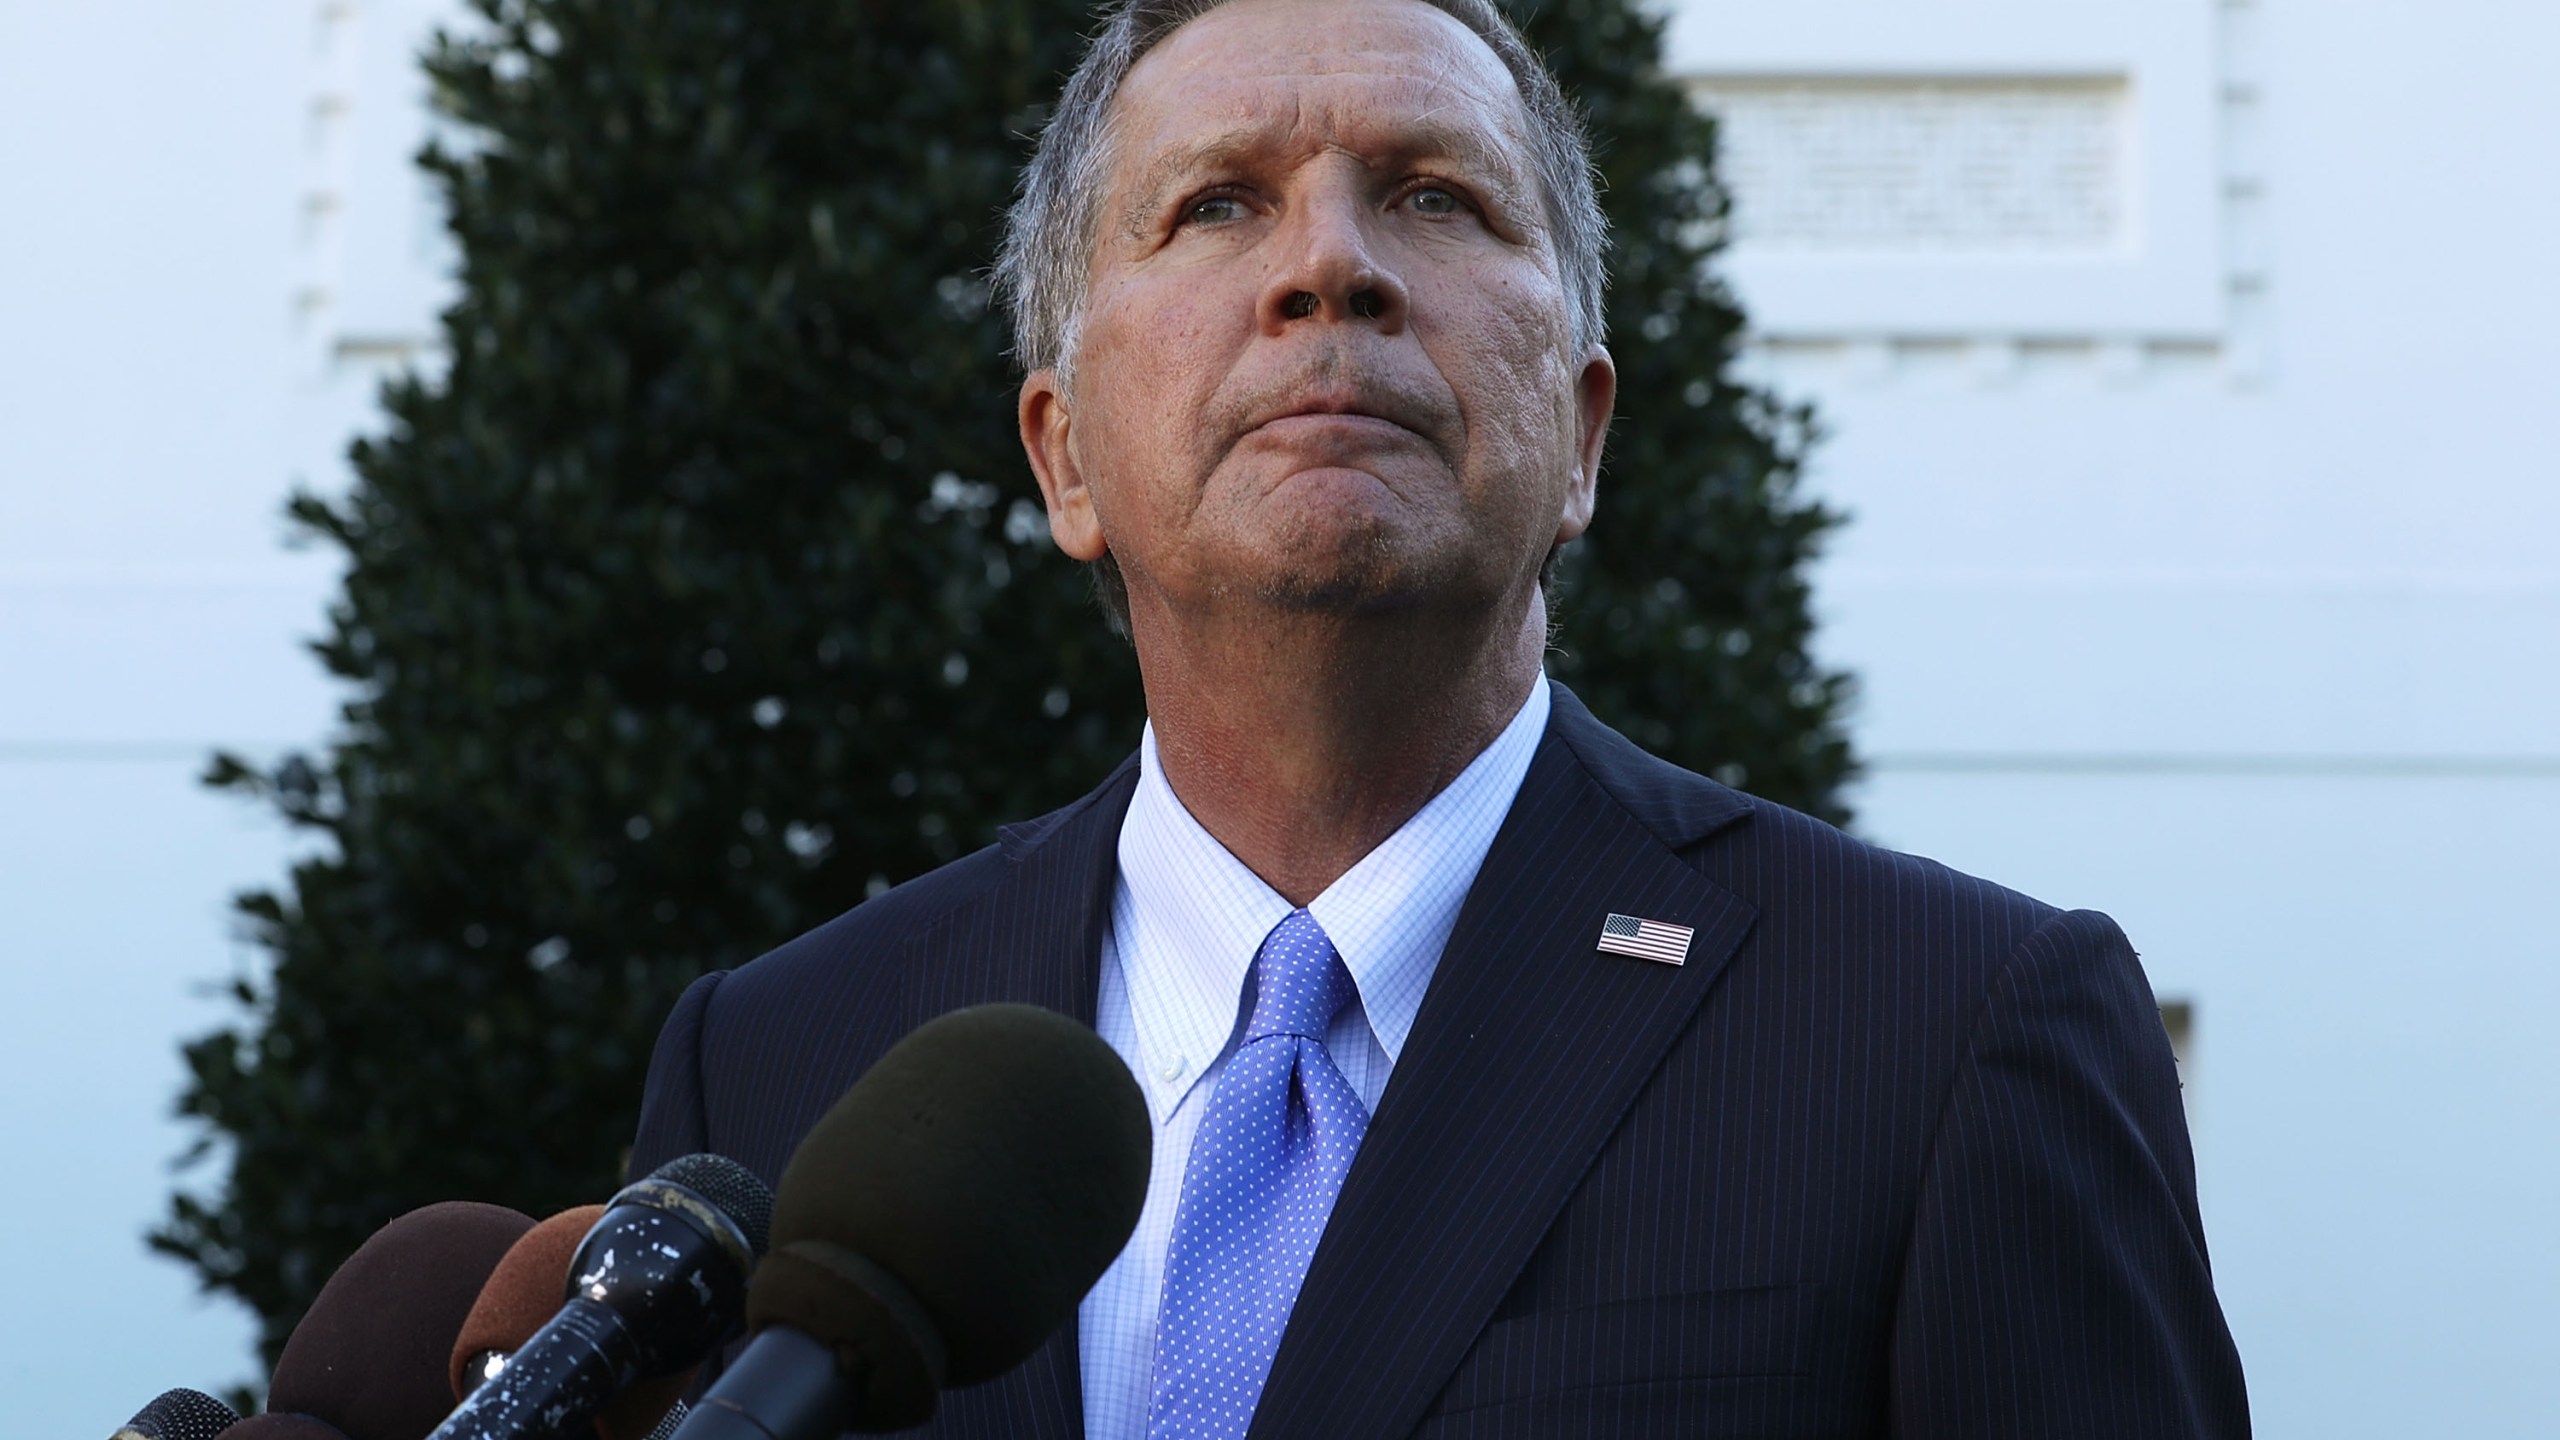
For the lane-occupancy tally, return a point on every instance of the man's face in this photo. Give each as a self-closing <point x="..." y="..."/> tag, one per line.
<point x="1326" y="360"/>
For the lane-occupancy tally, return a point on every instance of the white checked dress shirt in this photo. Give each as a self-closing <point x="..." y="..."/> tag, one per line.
<point x="1186" y="918"/>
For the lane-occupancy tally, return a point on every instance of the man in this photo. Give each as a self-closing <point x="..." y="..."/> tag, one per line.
<point x="1507" y="1080"/>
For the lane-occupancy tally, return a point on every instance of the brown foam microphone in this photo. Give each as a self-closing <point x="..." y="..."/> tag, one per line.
<point x="521" y="1296"/>
<point x="368" y="1357"/>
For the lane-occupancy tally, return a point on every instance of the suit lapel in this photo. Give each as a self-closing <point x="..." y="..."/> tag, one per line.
<point x="1529" y="1047"/>
<point x="1036" y="940"/>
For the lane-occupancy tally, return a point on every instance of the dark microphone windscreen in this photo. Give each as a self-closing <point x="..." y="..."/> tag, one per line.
<point x="526" y="1290"/>
<point x="993" y="1163"/>
<point x="370" y="1356"/>
<point x="732" y="1189"/>
<point x="180" y="1414"/>
<point x="276" y="1425"/>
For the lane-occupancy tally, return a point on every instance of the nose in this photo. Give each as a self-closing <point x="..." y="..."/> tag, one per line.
<point x="1331" y="271"/>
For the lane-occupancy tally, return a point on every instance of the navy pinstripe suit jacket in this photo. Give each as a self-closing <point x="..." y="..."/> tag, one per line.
<point x="1897" y="1152"/>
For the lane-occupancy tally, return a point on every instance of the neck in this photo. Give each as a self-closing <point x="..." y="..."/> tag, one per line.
<point x="1302" y="741"/>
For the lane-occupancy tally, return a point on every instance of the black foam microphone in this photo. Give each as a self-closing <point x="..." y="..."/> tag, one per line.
<point x="658" y="1283"/>
<point x="179" y="1414"/>
<point x="936" y="1226"/>
<point x="280" y="1425"/>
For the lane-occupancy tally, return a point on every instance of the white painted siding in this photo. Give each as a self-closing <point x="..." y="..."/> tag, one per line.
<point x="2223" y="593"/>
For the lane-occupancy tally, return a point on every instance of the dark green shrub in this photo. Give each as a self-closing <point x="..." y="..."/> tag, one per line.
<point x="705" y="590"/>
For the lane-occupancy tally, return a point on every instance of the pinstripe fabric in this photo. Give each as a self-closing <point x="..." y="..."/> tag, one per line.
<point x="1897" y="1152"/>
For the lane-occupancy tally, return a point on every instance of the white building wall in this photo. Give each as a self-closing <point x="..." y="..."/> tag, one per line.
<point x="208" y="231"/>
<point x="2203" y="570"/>
<point x="2180" y="359"/>
<point x="146" y="614"/>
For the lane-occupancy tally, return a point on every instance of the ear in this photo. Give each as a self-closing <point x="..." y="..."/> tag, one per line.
<point x="1595" y="397"/>
<point x="1042" y="413"/>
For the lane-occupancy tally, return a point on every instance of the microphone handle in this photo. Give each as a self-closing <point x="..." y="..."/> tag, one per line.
<point x="552" y="1387"/>
<point x="783" y="1386"/>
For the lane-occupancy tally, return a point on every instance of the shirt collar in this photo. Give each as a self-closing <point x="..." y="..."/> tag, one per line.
<point x="1390" y="915"/>
<point x="1189" y="916"/>
<point x="1186" y="918"/>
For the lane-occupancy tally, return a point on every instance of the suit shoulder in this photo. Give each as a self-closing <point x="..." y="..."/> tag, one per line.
<point x="1826" y="898"/>
<point x="852" y="950"/>
<point x="848" y="965"/>
<point x="1928" y="967"/>
<point x="1795" y="869"/>
<point x="1798" y="842"/>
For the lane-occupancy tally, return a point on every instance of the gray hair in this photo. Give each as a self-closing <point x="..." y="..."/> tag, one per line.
<point x="1056" y="219"/>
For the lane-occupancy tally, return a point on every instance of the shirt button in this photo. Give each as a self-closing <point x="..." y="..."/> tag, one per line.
<point x="1173" y="1068"/>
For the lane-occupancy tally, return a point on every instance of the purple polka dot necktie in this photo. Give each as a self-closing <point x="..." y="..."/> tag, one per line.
<point x="1269" y="1158"/>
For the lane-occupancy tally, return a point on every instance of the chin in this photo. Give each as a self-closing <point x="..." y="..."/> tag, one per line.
<point x="1345" y="543"/>
<point x="1365" y="576"/>
<point x="1344" y="596"/>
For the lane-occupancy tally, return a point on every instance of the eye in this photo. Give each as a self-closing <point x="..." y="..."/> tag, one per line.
<point x="1435" y="200"/>
<point x="1212" y="210"/>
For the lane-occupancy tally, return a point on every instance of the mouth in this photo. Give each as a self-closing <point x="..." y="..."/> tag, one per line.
<point x="1337" y="413"/>
<point x="1345" y="423"/>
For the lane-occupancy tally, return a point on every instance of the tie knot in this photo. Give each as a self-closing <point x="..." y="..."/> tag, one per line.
<point x="1300" y="982"/>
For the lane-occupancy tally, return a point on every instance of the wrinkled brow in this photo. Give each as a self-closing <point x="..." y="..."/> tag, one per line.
<point x="1423" y="138"/>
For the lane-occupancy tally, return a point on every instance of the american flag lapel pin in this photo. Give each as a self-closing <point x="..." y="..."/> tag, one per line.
<point x="1646" y="939"/>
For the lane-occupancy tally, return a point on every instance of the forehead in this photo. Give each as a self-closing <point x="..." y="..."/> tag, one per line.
<point x="1378" y="77"/>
